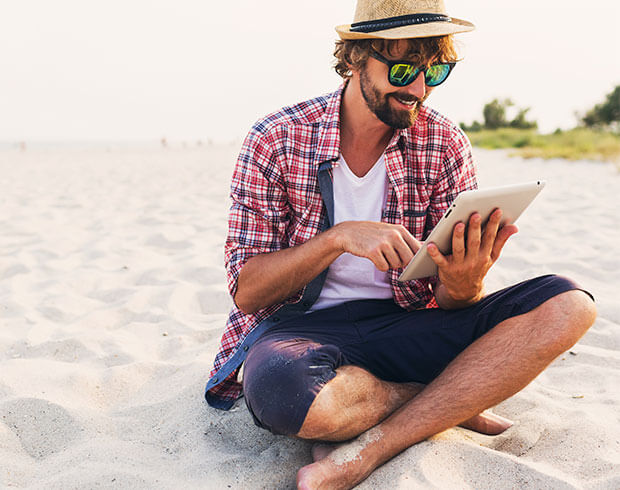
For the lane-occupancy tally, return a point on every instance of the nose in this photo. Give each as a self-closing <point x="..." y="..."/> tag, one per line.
<point x="417" y="87"/>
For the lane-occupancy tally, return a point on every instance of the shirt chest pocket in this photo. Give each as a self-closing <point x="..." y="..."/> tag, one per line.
<point x="414" y="219"/>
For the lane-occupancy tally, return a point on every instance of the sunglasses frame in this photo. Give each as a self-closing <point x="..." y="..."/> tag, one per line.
<point x="390" y="63"/>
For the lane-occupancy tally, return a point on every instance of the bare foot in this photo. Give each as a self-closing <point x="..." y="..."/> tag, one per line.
<point x="320" y="451"/>
<point x="340" y="471"/>
<point x="342" y="466"/>
<point x="312" y="477"/>
<point x="487" y="423"/>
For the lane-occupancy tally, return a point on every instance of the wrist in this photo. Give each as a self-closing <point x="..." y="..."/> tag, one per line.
<point x="466" y="296"/>
<point x="473" y="298"/>
<point x="457" y="298"/>
<point x="335" y="238"/>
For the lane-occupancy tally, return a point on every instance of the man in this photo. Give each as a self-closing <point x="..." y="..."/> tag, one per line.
<point x="331" y="198"/>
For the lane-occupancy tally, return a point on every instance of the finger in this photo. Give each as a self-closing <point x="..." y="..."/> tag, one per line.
<point x="404" y="252"/>
<point x="473" y="234"/>
<point x="392" y="258"/>
<point x="490" y="232"/>
<point x="436" y="255"/>
<point x="502" y="237"/>
<point x="412" y="242"/>
<point x="380" y="262"/>
<point x="458" y="242"/>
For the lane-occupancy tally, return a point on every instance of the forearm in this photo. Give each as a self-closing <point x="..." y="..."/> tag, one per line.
<point x="270" y="278"/>
<point x="446" y="302"/>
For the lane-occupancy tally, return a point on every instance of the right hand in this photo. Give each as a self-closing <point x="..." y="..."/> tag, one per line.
<point x="386" y="245"/>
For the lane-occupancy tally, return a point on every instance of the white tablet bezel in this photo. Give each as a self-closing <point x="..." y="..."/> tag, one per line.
<point x="511" y="199"/>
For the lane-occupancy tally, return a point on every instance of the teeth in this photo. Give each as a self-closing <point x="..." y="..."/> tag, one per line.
<point x="406" y="102"/>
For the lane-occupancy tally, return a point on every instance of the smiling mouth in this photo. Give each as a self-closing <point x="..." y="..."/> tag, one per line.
<point x="407" y="102"/>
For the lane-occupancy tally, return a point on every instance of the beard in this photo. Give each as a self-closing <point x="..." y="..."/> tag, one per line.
<point x="379" y="105"/>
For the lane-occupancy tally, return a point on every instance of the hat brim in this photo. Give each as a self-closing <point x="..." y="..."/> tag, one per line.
<point x="406" y="32"/>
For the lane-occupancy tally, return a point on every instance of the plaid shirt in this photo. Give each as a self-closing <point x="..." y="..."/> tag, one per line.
<point x="277" y="203"/>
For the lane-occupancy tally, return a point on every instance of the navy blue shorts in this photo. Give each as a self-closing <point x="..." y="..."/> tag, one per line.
<point x="288" y="365"/>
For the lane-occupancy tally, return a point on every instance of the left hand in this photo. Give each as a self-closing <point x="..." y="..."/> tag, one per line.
<point x="462" y="273"/>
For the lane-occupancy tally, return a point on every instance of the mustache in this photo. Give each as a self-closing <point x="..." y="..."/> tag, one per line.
<point x="407" y="98"/>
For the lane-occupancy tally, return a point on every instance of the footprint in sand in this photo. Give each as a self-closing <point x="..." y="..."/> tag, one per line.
<point x="111" y="296"/>
<point x="204" y="275"/>
<point x="214" y="300"/>
<point x="160" y="241"/>
<point x="54" y="314"/>
<point x="520" y="441"/>
<point x="8" y="309"/>
<point x="67" y="350"/>
<point x="14" y="270"/>
<point x="42" y="427"/>
<point x="154" y="277"/>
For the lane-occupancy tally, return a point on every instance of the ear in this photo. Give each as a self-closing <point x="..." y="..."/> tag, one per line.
<point x="355" y="72"/>
<point x="355" y="76"/>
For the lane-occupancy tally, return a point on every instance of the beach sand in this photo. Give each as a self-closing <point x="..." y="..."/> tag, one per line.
<point x="113" y="299"/>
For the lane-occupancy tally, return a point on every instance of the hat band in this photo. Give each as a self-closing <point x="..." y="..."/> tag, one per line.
<point x="400" y="21"/>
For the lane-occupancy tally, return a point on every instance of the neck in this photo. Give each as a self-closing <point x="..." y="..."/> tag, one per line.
<point x="359" y="127"/>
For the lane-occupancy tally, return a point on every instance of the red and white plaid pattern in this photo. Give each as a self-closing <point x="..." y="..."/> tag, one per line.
<point x="276" y="202"/>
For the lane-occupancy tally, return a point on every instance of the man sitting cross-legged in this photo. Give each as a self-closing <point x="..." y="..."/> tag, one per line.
<point x="331" y="199"/>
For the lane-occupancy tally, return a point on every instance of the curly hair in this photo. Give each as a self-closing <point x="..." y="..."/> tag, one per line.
<point x="353" y="54"/>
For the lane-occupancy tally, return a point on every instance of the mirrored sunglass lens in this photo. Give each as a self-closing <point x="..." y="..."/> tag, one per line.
<point x="402" y="74"/>
<point x="437" y="74"/>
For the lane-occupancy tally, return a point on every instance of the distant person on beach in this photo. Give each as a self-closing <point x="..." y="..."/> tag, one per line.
<point x="331" y="198"/>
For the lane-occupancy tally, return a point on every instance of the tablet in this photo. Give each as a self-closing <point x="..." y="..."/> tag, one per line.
<point x="511" y="199"/>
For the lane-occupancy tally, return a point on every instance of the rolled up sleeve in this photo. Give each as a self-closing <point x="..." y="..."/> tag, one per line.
<point x="259" y="212"/>
<point x="458" y="174"/>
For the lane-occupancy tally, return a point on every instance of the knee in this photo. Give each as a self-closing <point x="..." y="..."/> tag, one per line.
<point x="322" y="421"/>
<point x="345" y="406"/>
<point x="280" y="383"/>
<point x="327" y="415"/>
<point x="569" y="316"/>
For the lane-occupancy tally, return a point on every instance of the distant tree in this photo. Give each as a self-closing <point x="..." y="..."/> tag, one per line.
<point x="494" y="113"/>
<point x="606" y="114"/>
<point x="475" y="126"/>
<point x="521" y="123"/>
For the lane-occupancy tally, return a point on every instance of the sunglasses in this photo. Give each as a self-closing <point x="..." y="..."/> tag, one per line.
<point x="401" y="73"/>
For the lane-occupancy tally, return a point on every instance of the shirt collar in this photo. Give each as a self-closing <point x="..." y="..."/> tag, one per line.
<point x="328" y="147"/>
<point x="407" y="133"/>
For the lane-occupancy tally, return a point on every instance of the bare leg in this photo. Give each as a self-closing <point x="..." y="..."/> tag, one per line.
<point x="496" y="366"/>
<point x="358" y="401"/>
<point x="377" y="405"/>
<point x="355" y="401"/>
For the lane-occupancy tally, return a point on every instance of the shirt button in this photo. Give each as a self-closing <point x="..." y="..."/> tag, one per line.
<point x="276" y="318"/>
<point x="215" y="380"/>
<point x="245" y="348"/>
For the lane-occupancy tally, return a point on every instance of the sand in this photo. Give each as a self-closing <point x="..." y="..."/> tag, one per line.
<point x="113" y="299"/>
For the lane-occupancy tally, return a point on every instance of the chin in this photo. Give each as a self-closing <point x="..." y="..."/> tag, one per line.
<point x="407" y="119"/>
<point x="402" y="118"/>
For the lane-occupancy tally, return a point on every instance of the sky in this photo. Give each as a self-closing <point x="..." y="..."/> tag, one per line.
<point x="191" y="70"/>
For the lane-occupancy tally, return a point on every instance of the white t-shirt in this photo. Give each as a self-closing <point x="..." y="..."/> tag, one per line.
<point x="356" y="199"/>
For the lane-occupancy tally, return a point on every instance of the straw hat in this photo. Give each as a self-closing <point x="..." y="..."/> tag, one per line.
<point x="401" y="19"/>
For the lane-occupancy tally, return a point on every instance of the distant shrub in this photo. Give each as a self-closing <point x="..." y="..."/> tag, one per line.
<point x="574" y="144"/>
<point x="475" y="126"/>
<point x="494" y="114"/>
<point x="605" y="115"/>
<point x="520" y="122"/>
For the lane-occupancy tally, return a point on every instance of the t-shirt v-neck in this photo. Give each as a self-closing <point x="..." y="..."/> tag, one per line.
<point x="356" y="199"/>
